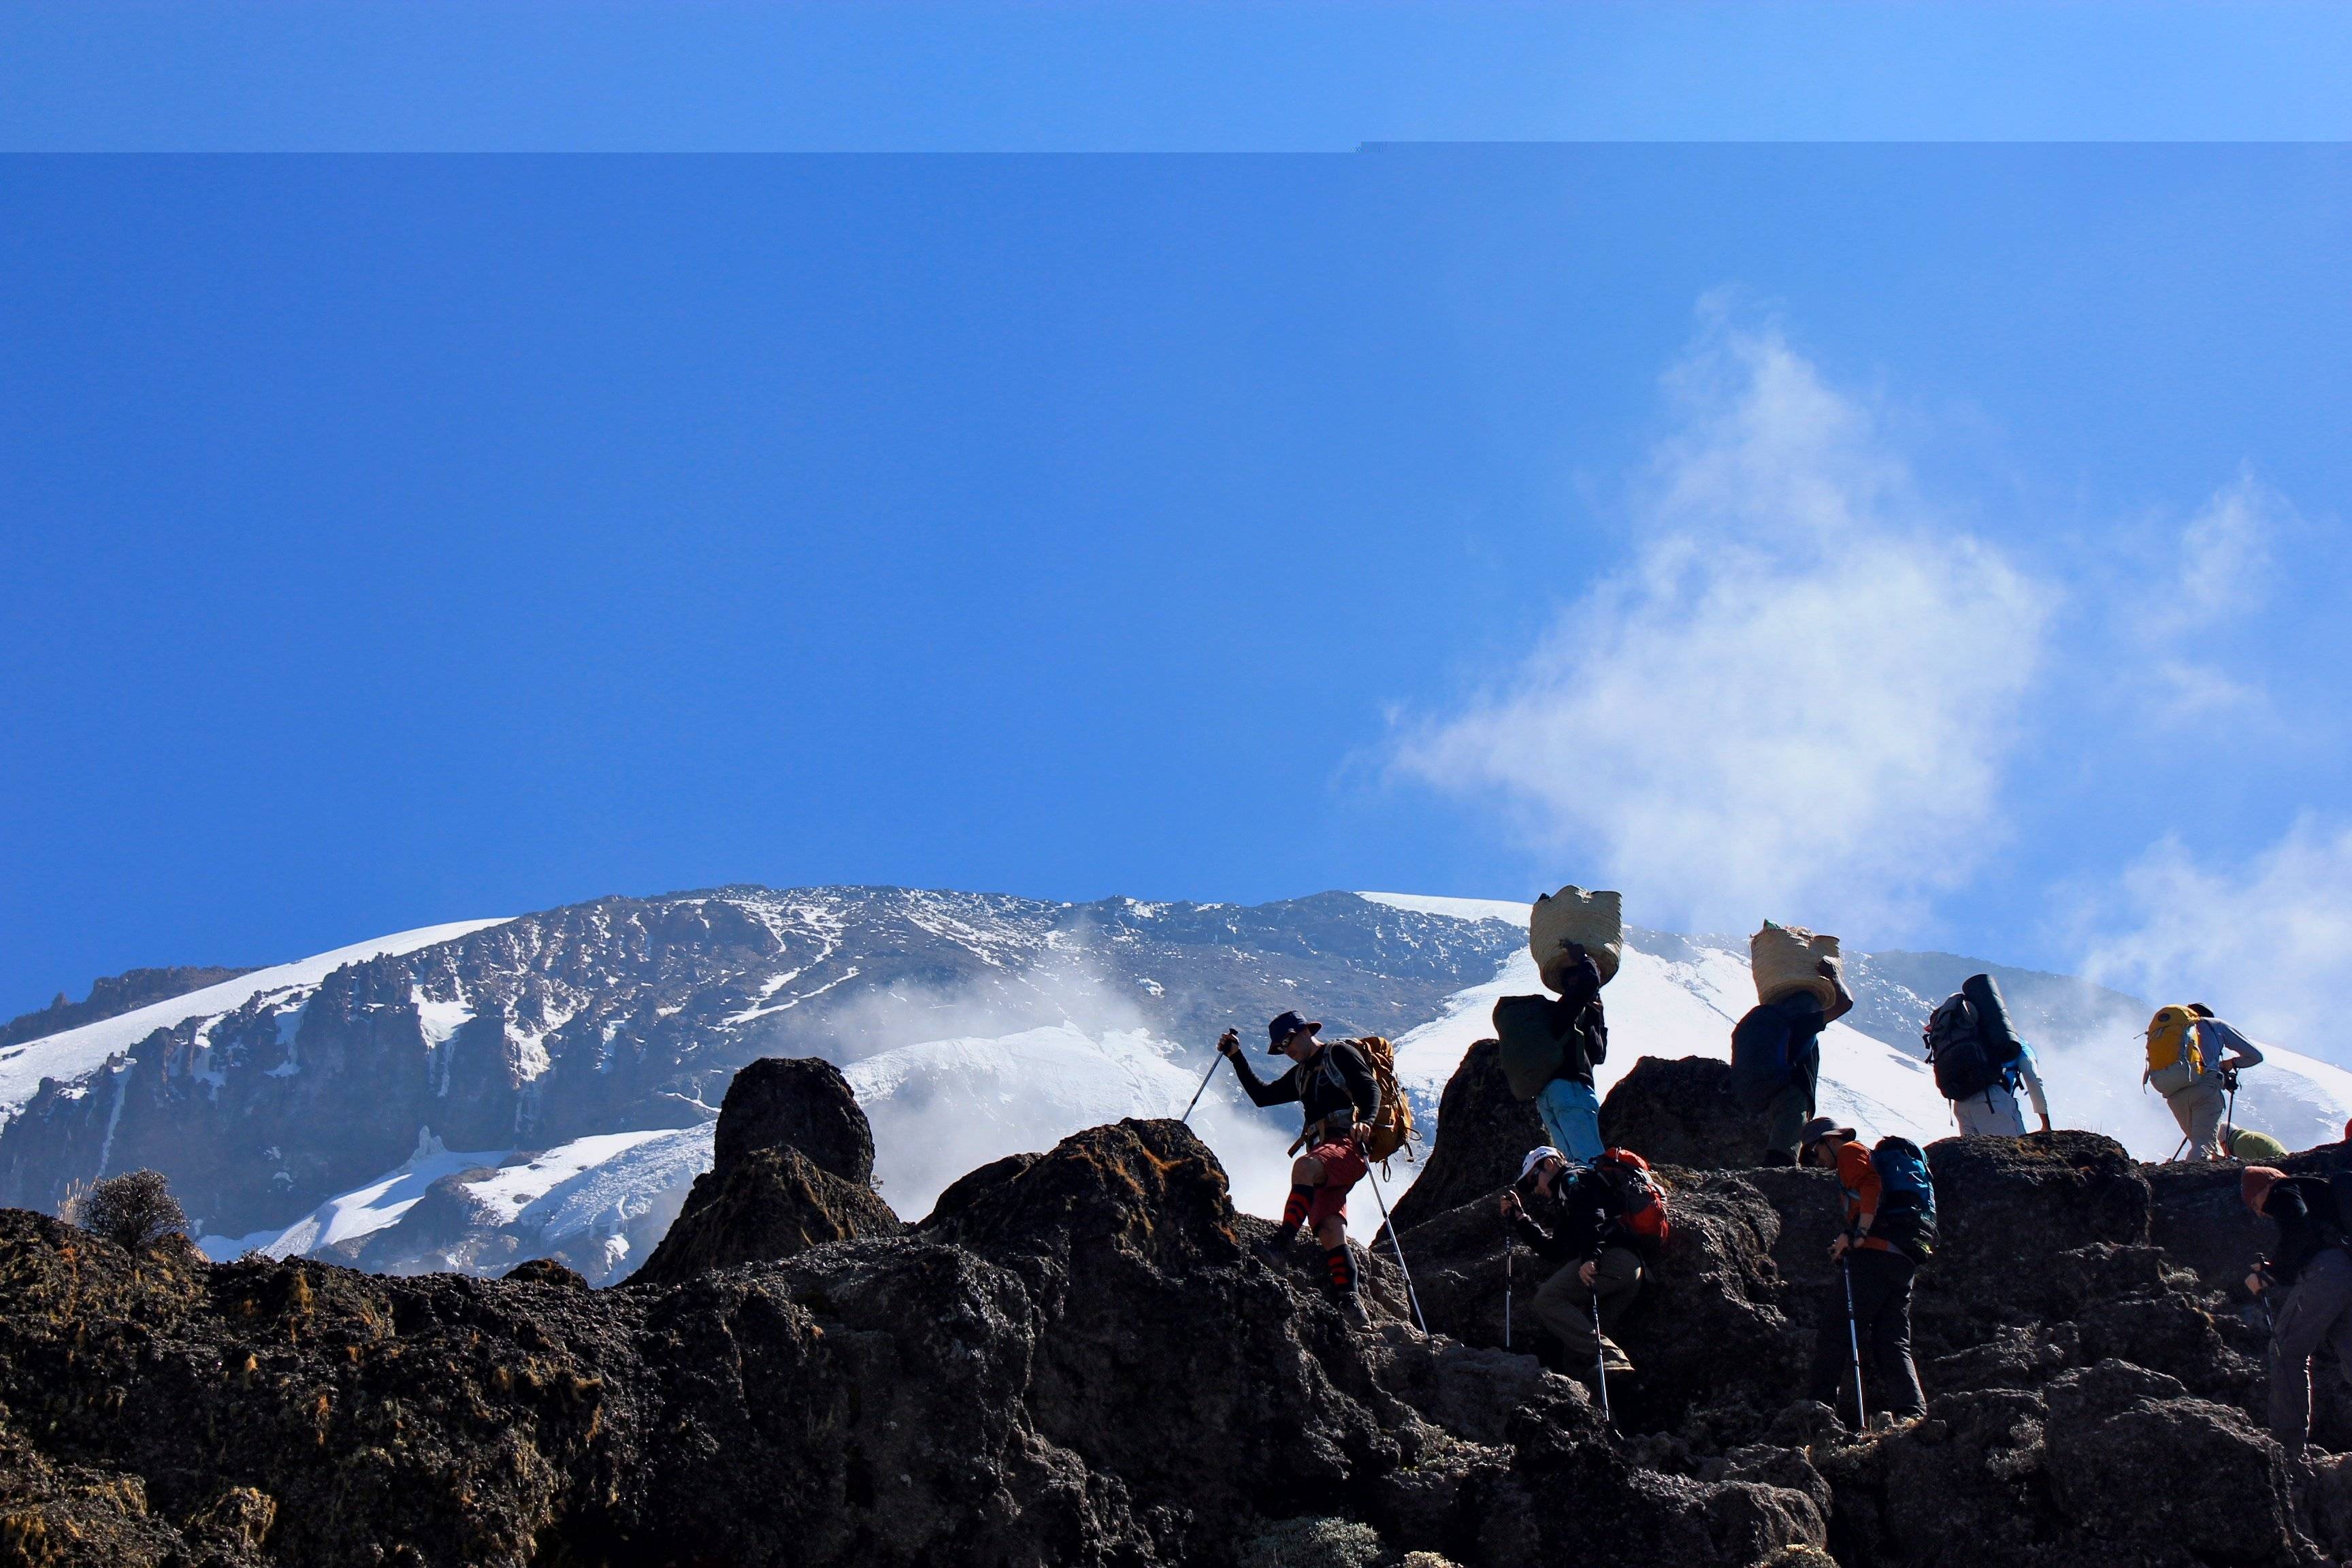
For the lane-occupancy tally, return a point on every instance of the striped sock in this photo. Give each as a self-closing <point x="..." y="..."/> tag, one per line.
<point x="1342" y="1266"/>
<point x="1294" y="1211"/>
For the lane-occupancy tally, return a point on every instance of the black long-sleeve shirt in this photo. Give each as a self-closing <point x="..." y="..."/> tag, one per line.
<point x="2305" y="1208"/>
<point x="1335" y="1079"/>
<point x="1575" y="1016"/>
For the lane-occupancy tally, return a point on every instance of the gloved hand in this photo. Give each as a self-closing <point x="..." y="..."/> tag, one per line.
<point x="1229" y="1044"/>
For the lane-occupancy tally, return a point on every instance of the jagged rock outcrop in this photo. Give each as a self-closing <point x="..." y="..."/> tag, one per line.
<point x="792" y="1167"/>
<point x="1483" y="1134"/>
<point x="1080" y="1361"/>
<point x="1681" y="1113"/>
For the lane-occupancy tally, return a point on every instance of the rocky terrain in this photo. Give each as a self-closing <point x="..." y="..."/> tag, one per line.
<point x="1075" y="1358"/>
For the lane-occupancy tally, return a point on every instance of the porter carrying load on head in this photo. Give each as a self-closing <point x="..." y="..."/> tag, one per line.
<point x="1549" y="1046"/>
<point x="1890" y="1230"/>
<point x="2309" y="1281"/>
<point x="2193" y="1059"/>
<point x="1776" y="1053"/>
<point x="1337" y="1086"/>
<point x="1980" y="1061"/>
<point x="1602" y="1222"/>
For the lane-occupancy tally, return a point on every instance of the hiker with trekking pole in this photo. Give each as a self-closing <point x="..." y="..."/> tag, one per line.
<point x="1350" y="1123"/>
<point x="2193" y="1060"/>
<point x="1605" y="1223"/>
<point x="1890" y="1230"/>
<point x="2305" y="1286"/>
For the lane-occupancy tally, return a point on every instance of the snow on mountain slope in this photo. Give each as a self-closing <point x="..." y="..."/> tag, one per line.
<point x="1679" y="1007"/>
<point x="588" y="1202"/>
<point x="1682" y="1000"/>
<point x="74" y="1052"/>
<point x="947" y="1107"/>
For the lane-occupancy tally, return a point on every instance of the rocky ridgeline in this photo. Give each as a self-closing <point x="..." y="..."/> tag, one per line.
<point x="1077" y="1359"/>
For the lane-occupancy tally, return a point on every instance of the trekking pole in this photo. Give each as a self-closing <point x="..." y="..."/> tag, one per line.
<point x="1506" y="1281"/>
<point x="2230" y="1082"/>
<point x="1187" y="1117"/>
<point x="1390" y="1225"/>
<point x="1854" y="1337"/>
<point x="1600" y="1357"/>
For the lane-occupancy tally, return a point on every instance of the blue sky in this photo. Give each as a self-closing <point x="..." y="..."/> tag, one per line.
<point x="393" y="539"/>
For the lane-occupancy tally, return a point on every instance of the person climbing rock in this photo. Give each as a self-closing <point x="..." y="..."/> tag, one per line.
<point x="2249" y="1147"/>
<point x="1582" y="1228"/>
<point x="1776" y="1062"/>
<point x="2193" y="1059"/>
<point x="1339" y="1096"/>
<point x="2309" y="1280"/>
<point x="1980" y="1061"/>
<point x="1566" y="1103"/>
<point x="1881" y="1272"/>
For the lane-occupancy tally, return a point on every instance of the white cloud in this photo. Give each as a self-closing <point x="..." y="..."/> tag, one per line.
<point x="2267" y="943"/>
<point x="2220" y="579"/>
<point x="1796" y="699"/>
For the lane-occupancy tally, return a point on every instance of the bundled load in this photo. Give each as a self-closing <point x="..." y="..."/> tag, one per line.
<point x="1593" y="922"/>
<point x="1787" y="959"/>
<point x="1971" y="1041"/>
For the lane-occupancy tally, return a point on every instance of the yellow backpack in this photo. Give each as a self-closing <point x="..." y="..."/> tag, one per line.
<point x="1393" y="1131"/>
<point x="2172" y="1043"/>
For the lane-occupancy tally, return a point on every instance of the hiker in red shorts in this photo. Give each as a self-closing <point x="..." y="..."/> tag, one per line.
<point x="1335" y="1089"/>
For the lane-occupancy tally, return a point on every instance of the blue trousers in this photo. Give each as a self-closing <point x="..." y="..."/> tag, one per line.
<point x="1572" y="1117"/>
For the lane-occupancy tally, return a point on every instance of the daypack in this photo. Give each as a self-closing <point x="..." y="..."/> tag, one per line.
<point x="1956" y="1050"/>
<point x="1641" y="1201"/>
<point x="1907" y="1198"/>
<point x="1392" y="1128"/>
<point x="1533" y="1053"/>
<point x="2175" y="1057"/>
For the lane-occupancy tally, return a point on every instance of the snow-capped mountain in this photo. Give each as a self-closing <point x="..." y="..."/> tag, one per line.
<point x="472" y="1095"/>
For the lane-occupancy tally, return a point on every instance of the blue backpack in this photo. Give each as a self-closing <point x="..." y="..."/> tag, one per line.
<point x="1906" y="1200"/>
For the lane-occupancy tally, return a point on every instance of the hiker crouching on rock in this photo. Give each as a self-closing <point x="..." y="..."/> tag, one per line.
<point x="2309" y="1283"/>
<point x="1341" y="1097"/>
<point x="1881" y="1278"/>
<point x="1586" y="1233"/>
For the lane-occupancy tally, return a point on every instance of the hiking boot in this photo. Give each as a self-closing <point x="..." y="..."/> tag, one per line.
<point x="1612" y="1358"/>
<point x="1352" y="1307"/>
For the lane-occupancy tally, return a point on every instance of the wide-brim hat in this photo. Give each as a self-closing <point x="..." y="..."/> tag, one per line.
<point x="1283" y="1027"/>
<point x="1821" y="1127"/>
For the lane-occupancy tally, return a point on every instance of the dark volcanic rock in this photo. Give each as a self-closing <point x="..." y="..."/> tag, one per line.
<point x="795" y="1102"/>
<point x="1082" y="1363"/>
<point x="770" y="1204"/>
<point x="1681" y="1113"/>
<point x="1483" y="1134"/>
<point x="793" y="1157"/>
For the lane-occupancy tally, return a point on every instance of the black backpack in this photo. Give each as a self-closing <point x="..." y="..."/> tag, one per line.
<point x="1970" y="1041"/>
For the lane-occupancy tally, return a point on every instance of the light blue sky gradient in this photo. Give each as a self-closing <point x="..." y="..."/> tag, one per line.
<point x="492" y="75"/>
<point x="393" y="541"/>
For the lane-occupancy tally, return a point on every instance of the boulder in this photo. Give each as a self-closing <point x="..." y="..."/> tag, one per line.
<point x="1483" y="1134"/>
<point x="795" y="1103"/>
<point x="1680" y="1111"/>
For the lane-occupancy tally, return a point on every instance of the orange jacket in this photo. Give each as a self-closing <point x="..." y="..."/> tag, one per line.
<point x="1859" y="1177"/>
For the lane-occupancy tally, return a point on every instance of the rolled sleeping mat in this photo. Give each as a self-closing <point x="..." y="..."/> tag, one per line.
<point x="2002" y="1043"/>
<point x="1595" y="921"/>
<point x="1786" y="958"/>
